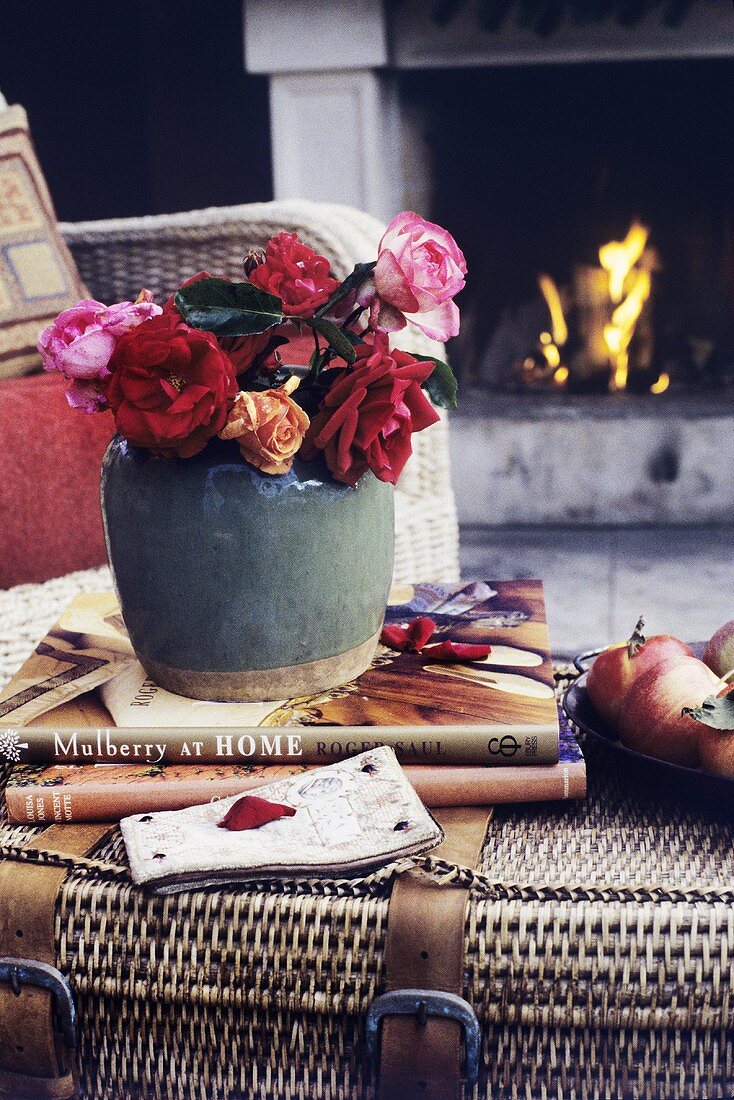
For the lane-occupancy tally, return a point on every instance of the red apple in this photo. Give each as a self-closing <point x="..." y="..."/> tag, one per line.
<point x="717" y="747"/>
<point x="719" y="653"/>
<point x="650" y="719"/>
<point x="618" y="666"/>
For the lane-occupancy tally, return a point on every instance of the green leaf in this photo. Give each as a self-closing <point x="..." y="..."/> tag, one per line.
<point x="228" y="309"/>
<point x="357" y="276"/>
<point x="441" y="385"/>
<point x="716" y="711"/>
<point x="336" y="339"/>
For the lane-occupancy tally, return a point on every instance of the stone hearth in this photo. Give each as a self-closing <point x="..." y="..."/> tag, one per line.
<point x="593" y="461"/>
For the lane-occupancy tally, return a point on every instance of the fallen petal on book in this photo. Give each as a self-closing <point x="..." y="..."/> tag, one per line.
<point x="411" y="637"/>
<point x="250" y="812"/>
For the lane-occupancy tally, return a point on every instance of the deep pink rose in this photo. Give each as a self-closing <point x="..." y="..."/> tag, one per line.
<point x="295" y="274"/>
<point x="370" y="412"/>
<point x="420" y="269"/>
<point x="81" y="342"/>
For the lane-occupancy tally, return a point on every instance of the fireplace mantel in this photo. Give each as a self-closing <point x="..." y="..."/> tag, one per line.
<point x="418" y="42"/>
<point x="339" y="132"/>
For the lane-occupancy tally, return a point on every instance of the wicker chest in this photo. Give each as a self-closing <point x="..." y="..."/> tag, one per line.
<point x="598" y="959"/>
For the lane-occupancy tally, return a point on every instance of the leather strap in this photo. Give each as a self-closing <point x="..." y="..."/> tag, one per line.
<point x="33" y="1061"/>
<point x="425" y="950"/>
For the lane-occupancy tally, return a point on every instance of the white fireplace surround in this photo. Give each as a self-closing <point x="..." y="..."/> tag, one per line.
<point x="339" y="132"/>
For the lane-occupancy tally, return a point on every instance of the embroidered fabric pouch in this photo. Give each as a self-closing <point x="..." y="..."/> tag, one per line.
<point x="351" y="817"/>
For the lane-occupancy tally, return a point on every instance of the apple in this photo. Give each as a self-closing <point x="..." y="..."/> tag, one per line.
<point x="717" y="747"/>
<point x="618" y="666"/>
<point x="650" y="719"/>
<point x="719" y="653"/>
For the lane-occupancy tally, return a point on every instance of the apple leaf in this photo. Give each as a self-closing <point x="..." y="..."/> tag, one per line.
<point x="228" y="309"/>
<point x="716" y="711"/>
<point x="441" y="385"/>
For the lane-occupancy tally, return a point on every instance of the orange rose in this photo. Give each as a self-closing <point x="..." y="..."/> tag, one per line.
<point x="269" y="427"/>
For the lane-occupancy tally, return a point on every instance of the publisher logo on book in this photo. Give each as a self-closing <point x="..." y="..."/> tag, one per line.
<point x="506" y="746"/>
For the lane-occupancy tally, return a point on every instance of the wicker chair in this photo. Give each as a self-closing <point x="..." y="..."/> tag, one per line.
<point x="117" y="257"/>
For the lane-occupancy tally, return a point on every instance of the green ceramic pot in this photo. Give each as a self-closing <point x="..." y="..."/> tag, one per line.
<point x="236" y="585"/>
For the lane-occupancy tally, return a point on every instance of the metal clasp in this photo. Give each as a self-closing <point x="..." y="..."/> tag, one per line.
<point x="423" y="1003"/>
<point x="20" y="972"/>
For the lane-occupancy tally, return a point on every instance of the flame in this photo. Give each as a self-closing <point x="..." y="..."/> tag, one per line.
<point x="619" y="257"/>
<point x="549" y="290"/>
<point x="628" y="265"/>
<point x="552" y="355"/>
<point x="551" y="342"/>
<point x="662" y="383"/>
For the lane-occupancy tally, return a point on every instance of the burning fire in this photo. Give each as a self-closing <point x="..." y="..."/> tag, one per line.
<point x="551" y="342"/>
<point x="623" y="261"/>
<point x="628" y="265"/>
<point x="619" y="257"/>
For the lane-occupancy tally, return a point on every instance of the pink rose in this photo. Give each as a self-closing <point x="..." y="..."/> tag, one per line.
<point x="420" y="269"/>
<point x="81" y="341"/>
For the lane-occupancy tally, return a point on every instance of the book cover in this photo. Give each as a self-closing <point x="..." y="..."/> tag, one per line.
<point x="498" y="711"/>
<point x="64" y="793"/>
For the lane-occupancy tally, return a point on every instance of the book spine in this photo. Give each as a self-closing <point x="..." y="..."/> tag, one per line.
<point x="482" y="786"/>
<point x="33" y="803"/>
<point x="530" y="744"/>
<point x="436" y="786"/>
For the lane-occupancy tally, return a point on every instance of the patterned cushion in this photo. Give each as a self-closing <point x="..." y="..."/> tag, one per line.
<point x="37" y="274"/>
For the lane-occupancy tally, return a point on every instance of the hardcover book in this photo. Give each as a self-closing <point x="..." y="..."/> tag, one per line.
<point x="82" y="697"/>
<point x="62" y="793"/>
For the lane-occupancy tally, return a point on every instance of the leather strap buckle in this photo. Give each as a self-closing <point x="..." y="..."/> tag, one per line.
<point x="422" y="1003"/>
<point x="19" y="972"/>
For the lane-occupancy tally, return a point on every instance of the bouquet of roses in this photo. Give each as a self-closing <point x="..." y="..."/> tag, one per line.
<point x="286" y="362"/>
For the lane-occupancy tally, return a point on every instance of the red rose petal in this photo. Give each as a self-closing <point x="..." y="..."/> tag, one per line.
<point x="410" y="638"/>
<point x="420" y="631"/>
<point x="457" y="651"/>
<point x="250" y="812"/>
<point x="396" y="637"/>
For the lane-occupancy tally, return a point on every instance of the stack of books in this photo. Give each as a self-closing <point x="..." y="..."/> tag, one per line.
<point x="92" y="738"/>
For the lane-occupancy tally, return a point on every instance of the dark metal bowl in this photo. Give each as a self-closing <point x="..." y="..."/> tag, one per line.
<point x="689" y="785"/>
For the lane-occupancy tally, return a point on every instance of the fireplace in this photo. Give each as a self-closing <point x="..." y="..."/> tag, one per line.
<point x="597" y="211"/>
<point x="584" y="165"/>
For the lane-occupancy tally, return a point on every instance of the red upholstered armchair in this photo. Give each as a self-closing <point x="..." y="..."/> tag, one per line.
<point x="50" y="455"/>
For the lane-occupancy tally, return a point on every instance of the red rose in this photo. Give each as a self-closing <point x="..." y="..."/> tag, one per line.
<point x="370" y="413"/>
<point x="244" y="350"/>
<point x="295" y="274"/>
<point x="170" y="387"/>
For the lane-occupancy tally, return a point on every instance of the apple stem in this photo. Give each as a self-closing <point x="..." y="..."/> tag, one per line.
<point x="636" y="640"/>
